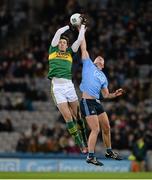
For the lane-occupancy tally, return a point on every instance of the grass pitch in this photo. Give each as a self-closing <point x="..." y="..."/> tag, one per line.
<point x="74" y="175"/>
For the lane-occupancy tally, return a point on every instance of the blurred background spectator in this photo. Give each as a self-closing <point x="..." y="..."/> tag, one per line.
<point x="139" y="152"/>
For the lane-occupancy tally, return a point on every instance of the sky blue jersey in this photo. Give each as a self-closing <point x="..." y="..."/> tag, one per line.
<point x="93" y="79"/>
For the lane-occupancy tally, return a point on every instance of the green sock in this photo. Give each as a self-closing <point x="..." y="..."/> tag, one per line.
<point x="82" y="128"/>
<point x="72" y="128"/>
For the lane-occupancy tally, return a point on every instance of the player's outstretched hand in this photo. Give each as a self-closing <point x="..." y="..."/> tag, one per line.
<point x="84" y="19"/>
<point x="119" y="92"/>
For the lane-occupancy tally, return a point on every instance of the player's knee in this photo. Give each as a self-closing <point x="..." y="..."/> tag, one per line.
<point x="106" y="130"/>
<point x="95" y="130"/>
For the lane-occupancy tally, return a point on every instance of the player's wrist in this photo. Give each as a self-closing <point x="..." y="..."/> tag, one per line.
<point x="67" y="26"/>
<point x="82" y="25"/>
<point x="114" y="95"/>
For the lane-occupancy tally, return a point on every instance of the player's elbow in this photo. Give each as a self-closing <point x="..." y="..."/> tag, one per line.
<point x="76" y="46"/>
<point x="53" y="44"/>
<point x="75" y="49"/>
<point x="105" y="96"/>
<point x="83" y="50"/>
<point x="80" y="39"/>
<point x="105" y="93"/>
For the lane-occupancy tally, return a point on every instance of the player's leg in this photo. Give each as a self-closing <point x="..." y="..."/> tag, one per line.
<point x="88" y="111"/>
<point x="60" y="100"/>
<point x="93" y="123"/>
<point x="105" y="126"/>
<point x="80" y="122"/>
<point x="72" y="128"/>
<point x="74" y="105"/>
<point x="106" y="135"/>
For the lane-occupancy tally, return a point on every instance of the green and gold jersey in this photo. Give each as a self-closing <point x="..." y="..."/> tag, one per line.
<point x="60" y="63"/>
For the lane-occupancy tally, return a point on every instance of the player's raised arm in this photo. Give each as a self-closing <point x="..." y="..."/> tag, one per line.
<point x="59" y="32"/>
<point x="75" y="46"/>
<point x="84" y="52"/>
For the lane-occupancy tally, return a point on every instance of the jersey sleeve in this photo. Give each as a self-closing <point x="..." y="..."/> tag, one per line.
<point x="71" y="51"/>
<point x="87" y="62"/>
<point x="52" y="49"/>
<point x="105" y="84"/>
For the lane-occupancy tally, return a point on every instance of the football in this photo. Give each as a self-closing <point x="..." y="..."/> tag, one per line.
<point x="76" y="19"/>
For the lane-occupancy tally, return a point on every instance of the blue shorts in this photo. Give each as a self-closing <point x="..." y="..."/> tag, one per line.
<point x="91" y="107"/>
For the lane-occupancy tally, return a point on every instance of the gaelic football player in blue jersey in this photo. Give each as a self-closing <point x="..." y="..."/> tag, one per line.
<point x="94" y="82"/>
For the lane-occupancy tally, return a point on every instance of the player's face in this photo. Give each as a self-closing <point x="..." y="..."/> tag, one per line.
<point x="62" y="45"/>
<point x="99" y="62"/>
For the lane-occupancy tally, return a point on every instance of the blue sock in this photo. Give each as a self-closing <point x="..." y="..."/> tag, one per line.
<point x="109" y="150"/>
<point x="91" y="154"/>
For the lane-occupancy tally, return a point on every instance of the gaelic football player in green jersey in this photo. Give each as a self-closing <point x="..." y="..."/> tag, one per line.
<point x="62" y="88"/>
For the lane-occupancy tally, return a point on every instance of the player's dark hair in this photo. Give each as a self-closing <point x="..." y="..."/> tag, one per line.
<point x="66" y="38"/>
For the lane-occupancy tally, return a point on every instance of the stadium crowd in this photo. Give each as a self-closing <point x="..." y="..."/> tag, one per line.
<point x="121" y="32"/>
<point x="12" y="18"/>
